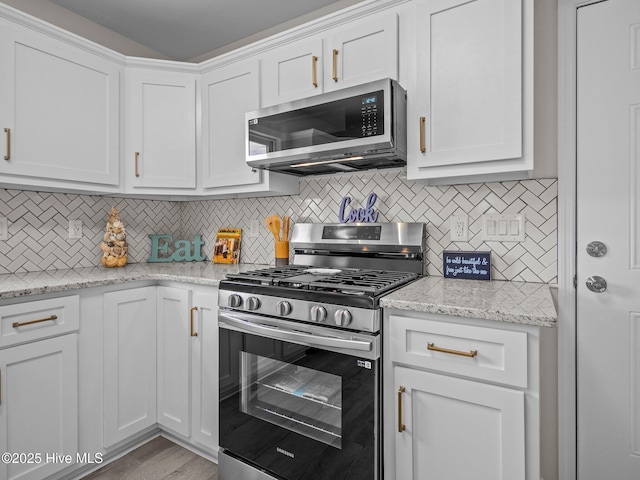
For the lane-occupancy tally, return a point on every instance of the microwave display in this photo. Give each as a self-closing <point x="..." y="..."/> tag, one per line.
<point x="345" y="119"/>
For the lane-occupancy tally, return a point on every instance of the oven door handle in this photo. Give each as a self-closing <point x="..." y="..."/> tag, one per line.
<point x="308" y="339"/>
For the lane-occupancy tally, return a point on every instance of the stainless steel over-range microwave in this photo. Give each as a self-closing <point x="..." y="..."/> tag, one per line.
<point x="357" y="128"/>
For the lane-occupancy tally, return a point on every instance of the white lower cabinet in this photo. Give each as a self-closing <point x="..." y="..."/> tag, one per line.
<point x="38" y="407"/>
<point x="129" y="363"/>
<point x="463" y="398"/>
<point x="187" y="323"/>
<point x="204" y="370"/>
<point x="450" y="428"/>
<point x="173" y="359"/>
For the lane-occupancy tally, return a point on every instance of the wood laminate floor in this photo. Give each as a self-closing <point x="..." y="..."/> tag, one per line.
<point x="157" y="459"/>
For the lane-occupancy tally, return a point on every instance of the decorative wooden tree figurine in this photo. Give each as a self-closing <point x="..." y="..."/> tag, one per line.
<point x="114" y="246"/>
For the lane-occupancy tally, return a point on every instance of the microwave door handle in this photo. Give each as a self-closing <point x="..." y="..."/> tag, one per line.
<point x="297" y="337"/>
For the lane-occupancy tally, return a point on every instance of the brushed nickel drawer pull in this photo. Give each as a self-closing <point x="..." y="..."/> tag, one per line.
<point x="31" y="322"/>
<point x="193" y="309"/>
<point x="7" y="156"/>
<point x="314" y="71"/>
<point x="471" y="353"/>
<point x="401" y="426"/>
<point x="423" y="146"/>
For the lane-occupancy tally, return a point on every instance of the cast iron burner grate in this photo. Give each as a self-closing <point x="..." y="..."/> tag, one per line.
<point x="348" y="281"/>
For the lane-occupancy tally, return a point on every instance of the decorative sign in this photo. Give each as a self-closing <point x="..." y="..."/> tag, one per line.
<point x="358" y="215"/>
<point x="184" y="250"/>
<point x="468" y="265"/>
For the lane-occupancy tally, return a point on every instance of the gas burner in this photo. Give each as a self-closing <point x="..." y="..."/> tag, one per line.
<point x="338" y="275"/>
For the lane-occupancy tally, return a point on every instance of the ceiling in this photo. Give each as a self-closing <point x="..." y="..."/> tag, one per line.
<point x="185" y="29"/>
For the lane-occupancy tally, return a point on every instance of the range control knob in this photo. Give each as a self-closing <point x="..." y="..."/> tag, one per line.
<point x="235" y="300"/>
<point x="342" y="317"/>
<point x="283" y="308"/>
<point x="318" y="314"/>
<point x="253" y="303"/>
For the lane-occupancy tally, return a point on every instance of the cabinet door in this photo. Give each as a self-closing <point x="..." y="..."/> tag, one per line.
<point x="365" y="51"/>
<point x="204" y="370"/>
<point x="60" y="111"/>
<point x="39" y="406"/>
<point x="173" y="359"/>
<point x="227" y="93"/>
<point x="293" y="71"/>
<point x="457" y="428"/>
<point x="130" y="363"/>
<point x="468" y="88"/>
<point x="160" y="129"/>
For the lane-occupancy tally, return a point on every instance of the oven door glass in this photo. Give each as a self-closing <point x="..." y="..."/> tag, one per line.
<point x="300" y="399"/>
<point x="299" y="412"/>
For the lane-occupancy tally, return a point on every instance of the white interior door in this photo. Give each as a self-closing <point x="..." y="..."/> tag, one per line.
<point x="608" y="199"/>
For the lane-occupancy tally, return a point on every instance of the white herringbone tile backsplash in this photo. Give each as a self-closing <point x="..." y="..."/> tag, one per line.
<point x="400" y="200"/>
<point x="38" y="222"/>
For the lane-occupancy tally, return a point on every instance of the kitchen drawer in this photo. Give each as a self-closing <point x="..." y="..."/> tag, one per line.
<point x="501" y="355"/>
<point x="28" y="321"/>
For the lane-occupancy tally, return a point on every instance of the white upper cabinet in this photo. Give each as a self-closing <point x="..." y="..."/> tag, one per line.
<point x="363" y="51"/>
<point x="228" y="92"/>
<point x="160" y="126"/>
<point x="293" y="71"/>
<point x="59" y="121"/>
<point x="470" y="112"/>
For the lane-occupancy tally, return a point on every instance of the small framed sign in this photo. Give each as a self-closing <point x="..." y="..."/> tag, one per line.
<point x="467" y="265"/>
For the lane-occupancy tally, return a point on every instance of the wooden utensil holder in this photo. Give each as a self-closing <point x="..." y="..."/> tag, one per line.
<point x="282" y="253"/>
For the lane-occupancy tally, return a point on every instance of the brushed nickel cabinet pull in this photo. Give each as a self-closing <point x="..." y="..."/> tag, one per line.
<point x="31" y="322"/>
<point x="401" y="426"/>
<point x="137" y="164"/>
<point x="470" y="353"/>
<point x="423" y="147"/>
<point x="7" y="155"/>
<point x="335" y="65"/>
<point x="314" y="71"/>
<point x="193" y="309"/>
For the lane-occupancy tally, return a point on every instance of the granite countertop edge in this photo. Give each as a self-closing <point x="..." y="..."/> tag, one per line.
<point x="498" y="300"/>
<point x="53" y="281"/>
<point x="505" y="301"/>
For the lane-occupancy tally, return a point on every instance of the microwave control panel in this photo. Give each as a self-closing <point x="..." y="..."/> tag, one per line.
<point x="369" y="112"/>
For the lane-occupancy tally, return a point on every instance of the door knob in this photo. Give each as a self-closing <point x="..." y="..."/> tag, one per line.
<point x="596" y="249"/>
<point x="596" y="284"/>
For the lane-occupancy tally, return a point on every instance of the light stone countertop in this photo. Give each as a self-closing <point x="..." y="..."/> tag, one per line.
<point x="49" y="281"/>
<point x="515" y="302"/>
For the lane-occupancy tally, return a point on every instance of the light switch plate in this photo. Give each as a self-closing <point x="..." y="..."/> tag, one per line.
<point x="503" y="228"/>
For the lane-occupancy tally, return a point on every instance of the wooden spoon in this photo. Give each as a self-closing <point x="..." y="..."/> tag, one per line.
<point x="273" y="224"/>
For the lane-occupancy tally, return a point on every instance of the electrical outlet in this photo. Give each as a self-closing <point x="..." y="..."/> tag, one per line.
<point x="75" y="229"/>
<point x="254" y="228"/>
<point x="459" y="228"/>
<point x="4" y="228"/>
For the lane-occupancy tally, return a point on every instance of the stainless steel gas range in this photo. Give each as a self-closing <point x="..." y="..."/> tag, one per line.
<point x="300" y="353"/>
